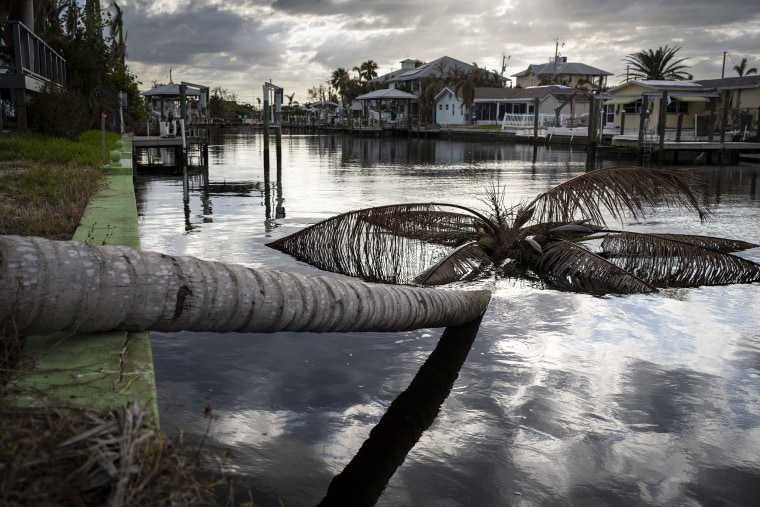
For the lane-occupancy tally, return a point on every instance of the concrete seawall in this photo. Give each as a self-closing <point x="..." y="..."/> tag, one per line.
<point x="96" y="371"/>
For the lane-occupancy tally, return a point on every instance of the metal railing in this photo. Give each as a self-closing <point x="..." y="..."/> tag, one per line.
<point x="26" y="62"/>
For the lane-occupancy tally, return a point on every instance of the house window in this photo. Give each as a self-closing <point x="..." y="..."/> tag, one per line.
<point x="678" y="107"/>
<point x="440" y="107"/>
<point x="632" y="107"/>
<point x="447" y="107"/>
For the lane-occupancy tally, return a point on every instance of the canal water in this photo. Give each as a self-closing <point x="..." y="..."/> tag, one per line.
<point x="563" y="399"/>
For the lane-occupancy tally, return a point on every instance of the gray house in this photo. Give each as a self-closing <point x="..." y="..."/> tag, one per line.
<point x="410" y="74"/>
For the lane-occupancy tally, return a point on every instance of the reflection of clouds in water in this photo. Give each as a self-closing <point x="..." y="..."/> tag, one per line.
<point x="618" y="397"/>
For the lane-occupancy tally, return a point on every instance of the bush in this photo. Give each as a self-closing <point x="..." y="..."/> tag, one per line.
<point x="59" y="113"/>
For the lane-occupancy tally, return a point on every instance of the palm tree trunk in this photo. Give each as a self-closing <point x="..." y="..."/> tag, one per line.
<point x="48" y="286"/>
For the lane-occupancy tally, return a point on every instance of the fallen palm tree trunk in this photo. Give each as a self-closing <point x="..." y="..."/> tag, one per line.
<point x="48" y="286"/>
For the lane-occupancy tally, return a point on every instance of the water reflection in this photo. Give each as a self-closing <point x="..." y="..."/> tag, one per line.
<point x="563" y="400"/>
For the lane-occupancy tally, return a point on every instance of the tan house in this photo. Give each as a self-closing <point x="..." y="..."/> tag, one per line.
<point x="560" y="71"/>
<point x="692" y="108"/>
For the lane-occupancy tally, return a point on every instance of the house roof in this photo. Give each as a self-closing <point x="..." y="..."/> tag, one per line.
<point x="444" y="90"/>
<point x="532" y="92"/>
<point x="387" y="94"/>
<point x="661" y="86"/>
<point x="731" y="83"/>
<point x="573" y="68"/>
<point x="170" y="90"/>
<point x="432" y="68"/>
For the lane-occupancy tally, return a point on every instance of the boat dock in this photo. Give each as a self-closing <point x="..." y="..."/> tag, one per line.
<point x="173" y="150"/>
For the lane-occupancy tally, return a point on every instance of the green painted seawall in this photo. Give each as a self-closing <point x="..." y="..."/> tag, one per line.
<point x="96" y="371"/>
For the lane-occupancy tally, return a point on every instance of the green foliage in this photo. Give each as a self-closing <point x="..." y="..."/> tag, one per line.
<point x="657" y="65"/>
<point x="94" y="65"/>
<point x="46" y="182"/>
<point x="86" y="150"/>
<point x="59" y="113"/>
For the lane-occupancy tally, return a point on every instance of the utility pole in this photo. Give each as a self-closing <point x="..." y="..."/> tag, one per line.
<point x="556" y="54"/>
<point x="723" y="72"/>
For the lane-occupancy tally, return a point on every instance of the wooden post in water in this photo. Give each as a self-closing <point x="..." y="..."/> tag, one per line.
<point x="643" y="116"/>
<point x="679" y="127"/>
<point x="661" y="120"/>
<point x="279" y="210"/>
<point x="593" y="130"/>
<point x="536" y="103"/>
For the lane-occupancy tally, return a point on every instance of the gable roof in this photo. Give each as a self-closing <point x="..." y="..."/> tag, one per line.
<point x="521" y="94"/>
<point x="562" y="67"/>
<point x="444" y="90"/>
<point x="424" y="70"/>
<point x="731" y="83"/>
<point x="661" y="86"/>
<point x="387" y="94"/>
<point x="170" y="90"/>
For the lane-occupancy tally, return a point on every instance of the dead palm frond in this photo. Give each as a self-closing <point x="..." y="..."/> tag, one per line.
<point x="437" y="243"/>
<point x="680" y="261"/>
<point x="390" y="244"/>
<point x="620" y="191"/>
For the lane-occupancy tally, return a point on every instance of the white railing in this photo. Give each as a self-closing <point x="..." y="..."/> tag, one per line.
<point x="544" y="120"/>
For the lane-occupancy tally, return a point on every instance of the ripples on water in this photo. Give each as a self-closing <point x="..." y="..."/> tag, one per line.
<point x="564" y="399"/>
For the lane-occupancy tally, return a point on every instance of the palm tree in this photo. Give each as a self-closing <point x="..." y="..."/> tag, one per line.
<point x="559" y="239"/>
<point x="367" y="70"/>
<point x="118" y="36"/>
<point x="115" y="287"/>
<point x="742" y="69"/>
<point x="657" y="65"/>
<point x="464" y="88"/>
<point x="340" y="80"/>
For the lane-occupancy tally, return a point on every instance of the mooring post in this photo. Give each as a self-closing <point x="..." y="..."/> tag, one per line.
<point x="266" y="131"/>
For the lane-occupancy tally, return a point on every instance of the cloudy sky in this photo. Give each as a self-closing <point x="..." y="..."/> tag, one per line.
<point x="240" y="44"/>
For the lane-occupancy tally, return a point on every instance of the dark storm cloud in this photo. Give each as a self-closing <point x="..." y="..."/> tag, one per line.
<point x="298" y="43"/>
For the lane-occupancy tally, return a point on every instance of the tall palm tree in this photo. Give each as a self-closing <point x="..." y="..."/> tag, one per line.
<point x="367" y="70"/>
<point x="559" y="239"/>
<point x="657" y="65"/>
<point x="118" y="36"/>
<point x="340" y="80"/>
<point x="742" y="69"/>
<point x="464" y="88"/>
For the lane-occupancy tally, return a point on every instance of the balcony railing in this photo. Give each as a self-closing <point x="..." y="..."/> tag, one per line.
<point x="26" y="62"/>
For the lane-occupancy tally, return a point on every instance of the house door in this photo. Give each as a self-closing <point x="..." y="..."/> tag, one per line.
<point x="609" y="116"/>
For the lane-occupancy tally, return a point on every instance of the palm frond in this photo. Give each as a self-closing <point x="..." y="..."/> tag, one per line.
<point x="725" y="245"/>
<point x="679" y="261"/>
<point x="569" y="266"/>
<point x="619" y="191"/>
<point x="464" y="263"/>
<point x="390" y="244"/>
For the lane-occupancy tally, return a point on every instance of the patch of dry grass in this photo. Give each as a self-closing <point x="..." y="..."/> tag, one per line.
<point x="45" y="199"/>
<point x="50" y="458"/>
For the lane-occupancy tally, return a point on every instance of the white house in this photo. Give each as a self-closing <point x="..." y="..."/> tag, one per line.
<point x="449" y="109"/>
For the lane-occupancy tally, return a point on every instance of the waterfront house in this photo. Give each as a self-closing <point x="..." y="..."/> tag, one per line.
<point x="742" y="97"/>
<point x="516" y="107"/>
<point x="412" y="72"/>
<point x="687" y="107"/>
<point x="560" y="71"/>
